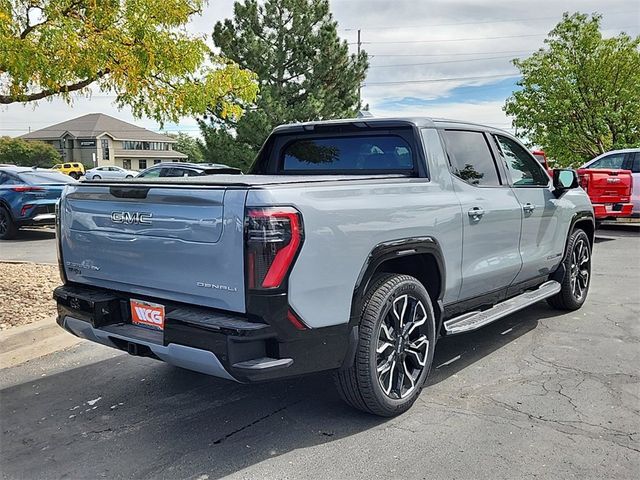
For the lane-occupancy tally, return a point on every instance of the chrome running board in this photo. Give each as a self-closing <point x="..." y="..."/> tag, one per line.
<point x="473" y="320"/>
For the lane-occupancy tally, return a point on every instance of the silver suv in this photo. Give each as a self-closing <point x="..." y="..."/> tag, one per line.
<point x="351" y="245"/>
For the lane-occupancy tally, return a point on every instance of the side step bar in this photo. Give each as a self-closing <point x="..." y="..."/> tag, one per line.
<point x="474" y="320"/>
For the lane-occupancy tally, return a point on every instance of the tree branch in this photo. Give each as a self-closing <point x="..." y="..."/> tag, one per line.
<point x="73" y="87"/>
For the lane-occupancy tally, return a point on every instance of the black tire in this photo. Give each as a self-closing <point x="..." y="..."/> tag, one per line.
<point x="361" y="384"/>
<point x="577" y="277"/>
<point x="97" y="177"/>
<point x="74" y="175"/>
<point x="8" y="229"/>
<point x="129" y="176"/>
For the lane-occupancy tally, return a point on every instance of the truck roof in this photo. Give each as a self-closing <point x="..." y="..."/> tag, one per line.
<point x="380" y="122"/>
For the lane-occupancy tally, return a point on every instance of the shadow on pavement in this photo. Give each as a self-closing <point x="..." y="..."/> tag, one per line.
<point x="153" y="420"/>
<point x="31" y="234"/>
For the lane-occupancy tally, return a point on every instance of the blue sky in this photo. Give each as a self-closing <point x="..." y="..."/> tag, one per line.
<point x="440" y="58"/>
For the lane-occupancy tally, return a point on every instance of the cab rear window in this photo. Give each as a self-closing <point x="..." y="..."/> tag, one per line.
<point x="347" y="154"/>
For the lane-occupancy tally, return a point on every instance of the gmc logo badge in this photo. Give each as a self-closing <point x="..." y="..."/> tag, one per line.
<point x="131" y="218"/>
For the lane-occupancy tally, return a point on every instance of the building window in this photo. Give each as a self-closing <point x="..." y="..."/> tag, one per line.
<point x="105" y="148"/>
<point x="126" y="163"/>
<point x="138" y="145"/>
<point x="156" y="162"/>
<point x="142" y="164"/>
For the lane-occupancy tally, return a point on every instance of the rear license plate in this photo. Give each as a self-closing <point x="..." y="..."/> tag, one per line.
<point x="613" y="207"/>
<point x="147" y="314"/>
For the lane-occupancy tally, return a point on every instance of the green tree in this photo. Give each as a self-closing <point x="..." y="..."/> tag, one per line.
<point x="188" y="145"/>
<point x="580" y="94"/>
<point x="304" y="69"/>
<point x="219" y="146"/>
<point x="137" y="49"/>
<point x="16" y="151"/>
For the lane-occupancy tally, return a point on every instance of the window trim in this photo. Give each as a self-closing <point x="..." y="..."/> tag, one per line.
<point x="506" y="166"/>
<point x="499" y="171"/>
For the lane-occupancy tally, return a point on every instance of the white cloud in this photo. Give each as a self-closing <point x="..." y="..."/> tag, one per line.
<point x="436" y="21"/>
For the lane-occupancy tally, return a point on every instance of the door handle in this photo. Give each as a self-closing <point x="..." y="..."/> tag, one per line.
<point x="528" y="207"/>
<point x="475" y="213"/>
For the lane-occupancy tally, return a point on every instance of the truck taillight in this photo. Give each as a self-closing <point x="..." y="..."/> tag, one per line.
<point x="273" y="238"/>
<point x="584" y="181"/>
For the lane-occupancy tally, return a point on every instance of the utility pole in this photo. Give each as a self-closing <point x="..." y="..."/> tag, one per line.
<point x="360" y="84"/>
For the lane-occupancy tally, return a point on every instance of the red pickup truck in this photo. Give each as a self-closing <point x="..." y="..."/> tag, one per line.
<point x="609" y="191"/>
<point x="608" y="188"/>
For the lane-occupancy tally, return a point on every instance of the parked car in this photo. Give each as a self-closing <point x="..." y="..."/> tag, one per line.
<point x="352" y="245"/>
<point x="74" y="170"/>
<point x="627" y="159"/>
<point x="181" y="169"/>
<point x="544" y="161"/>
<point x="28" y="196"/>
<point x="109" y="171"/>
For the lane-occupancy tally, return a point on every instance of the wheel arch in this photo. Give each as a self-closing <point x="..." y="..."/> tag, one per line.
<point x="420" y="257"/>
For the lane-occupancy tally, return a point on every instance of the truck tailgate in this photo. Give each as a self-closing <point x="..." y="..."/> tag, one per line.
<point x="606" y="185"/>
<point x="183" y="244"/>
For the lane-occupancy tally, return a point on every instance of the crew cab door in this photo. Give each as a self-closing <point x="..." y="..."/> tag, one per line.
<point x="542" y="240"/>
<point x="491" y="215"/>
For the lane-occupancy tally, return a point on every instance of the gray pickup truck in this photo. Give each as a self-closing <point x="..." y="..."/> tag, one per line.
<point x="351" y="245"/>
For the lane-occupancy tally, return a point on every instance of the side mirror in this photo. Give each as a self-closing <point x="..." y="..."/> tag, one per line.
<point x="563" y="180"/>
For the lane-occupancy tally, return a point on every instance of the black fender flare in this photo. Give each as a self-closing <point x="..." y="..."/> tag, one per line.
<point x="381" y="253"/>
<point x="581" y="216"/>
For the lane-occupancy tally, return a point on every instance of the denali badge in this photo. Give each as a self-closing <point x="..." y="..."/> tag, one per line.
<point x="130" y="218"/>
<point x="216" y="286"/>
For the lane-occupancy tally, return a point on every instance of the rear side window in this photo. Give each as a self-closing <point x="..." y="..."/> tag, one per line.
<point x="471" y="158"/>
<point x="151" y="173"/>
<point x="613" y="161"/>
<point x="635" y="166"/>
<point x="348" y="154"/>
<point x="44" y="178"/>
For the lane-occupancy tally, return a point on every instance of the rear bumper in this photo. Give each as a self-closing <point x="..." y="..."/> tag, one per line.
<point x="40" y="214"/>
<point x="200" y="339"/>
<point x="616" y="210"/>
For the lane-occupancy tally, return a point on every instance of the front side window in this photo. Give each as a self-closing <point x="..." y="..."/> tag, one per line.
<point x="349" y="154"/>
<point x="523" y="168"/>
<point x="472" y="160"/>
<point x="613" y="161"/>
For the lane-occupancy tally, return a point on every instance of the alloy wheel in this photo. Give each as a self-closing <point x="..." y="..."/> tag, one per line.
<point x="402" y="347"/>
<point x="4" y="223"/>
<point x="580" y="269"/>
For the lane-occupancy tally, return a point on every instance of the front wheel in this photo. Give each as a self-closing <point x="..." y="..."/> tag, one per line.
<point x="8" y="229"/>
<point x="129" y="176"/>
<point x="577" y="276"/>
<point x="395" y="347"/>
<point x="97" y="177"/>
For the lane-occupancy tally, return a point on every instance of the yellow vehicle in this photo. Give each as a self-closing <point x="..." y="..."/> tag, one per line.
<point x="74" y="170"/>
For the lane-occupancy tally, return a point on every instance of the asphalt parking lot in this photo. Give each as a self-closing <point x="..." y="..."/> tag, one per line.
<point x="31" y="245"/>
<point x="536" y="395"/>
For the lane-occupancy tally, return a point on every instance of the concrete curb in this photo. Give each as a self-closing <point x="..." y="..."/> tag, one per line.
<point x="21" y="344"/>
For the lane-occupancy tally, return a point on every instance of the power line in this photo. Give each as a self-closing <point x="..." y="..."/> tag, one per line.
<point x="439" y="63"/>
<point x="373" y="55"/>
<point x="446" y="40"/>
<point x="482" y="22"/>
<point x="394" y="42"/>
<point x="450" y="79"/>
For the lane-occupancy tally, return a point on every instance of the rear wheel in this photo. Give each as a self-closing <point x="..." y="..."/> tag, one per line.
<point x="395" y="347"/>
<point x="74" y="175"/>
<point x="577" y="277"/>
<point x="8" y="229"/>
<point x="97" y="177"/>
